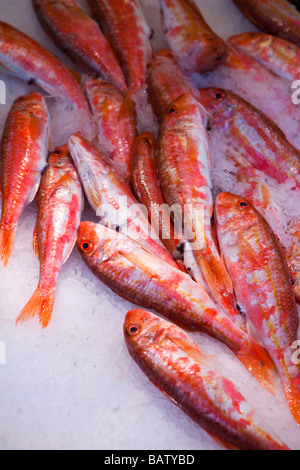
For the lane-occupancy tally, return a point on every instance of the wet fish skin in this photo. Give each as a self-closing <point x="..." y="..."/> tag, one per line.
<point x="28" y="60"/>
<point x="261" y="280"/>
<point x="279" y="55"/>
<point x="80" y="37"/>
<point x="183" y="164"/>
<point x="126" y="29"/>
<point x="277" y="17"/>
<point x="166" y="81"/>
<point x="112" y="199"/>
<point x="196" y="47"/>
<point x="146" y="280"/>
<point x="146" y="188"/>
<point x="24" y="152"/>
<point x="253" y="134"/>
<point x="59" y="207"/>
<point x="116" y="119"/>
<point x="193" y="381"/>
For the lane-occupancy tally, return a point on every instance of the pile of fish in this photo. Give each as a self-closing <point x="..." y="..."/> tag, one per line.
<point x="167" y="239"/>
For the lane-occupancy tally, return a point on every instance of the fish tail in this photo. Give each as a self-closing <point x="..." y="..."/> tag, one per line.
<point x="292" y="394"/>
<point x="257" y="360"/>
<point x="40" y="304"/>
<point x="7" y="239"/>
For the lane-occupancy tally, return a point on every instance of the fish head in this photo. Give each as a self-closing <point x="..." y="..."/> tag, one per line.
<point x="97" y="243"/>
<point x="181" y="112"/>
<point x="33" y="103"/>
<point x="144" y="141"/>
<point x="143" y="327"/>
<point x="60" y="156"/>
<point x="219" y="104"/>
<point x="233" y="213"/>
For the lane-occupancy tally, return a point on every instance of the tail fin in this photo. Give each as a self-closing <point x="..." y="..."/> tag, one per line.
<point x="257" y="360"/>
<point x="292" y="393"/>
<point x="7" y="239"/>
<point x="40" y="304"/>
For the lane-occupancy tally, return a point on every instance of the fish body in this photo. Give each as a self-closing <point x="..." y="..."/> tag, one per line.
<point x="166" y="81"/>
<point x="261" y="280"/>
<point x="126" y="29"/>
<point x="60" y="205"/>
<point x="196" y="47"/>
<point x="116" y="120"/>
<point x="277" y="17"/>
<point x="111" y="197"/>
<point x="80" y="37"/>
<point x="146" y="188"/>
<point x="24" y="153"/>
<point x="253" y="134"/>
<point x="149" y="282"/>
<point x="193" y="381"/>
<point x="28" y="60"/>
<point x="280" y="56"/>
<point x="183" y="164"/>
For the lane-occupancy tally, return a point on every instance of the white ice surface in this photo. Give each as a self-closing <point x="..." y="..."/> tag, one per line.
<point x="74" y="385"/>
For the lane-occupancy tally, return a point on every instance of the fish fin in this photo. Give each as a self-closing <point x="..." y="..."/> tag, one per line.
<point x="7" y="239"/>
<point x="216" y="276"/>
<point x="35" y="245"/>
<point x="40" y="304"/>
<point x="189" y="347"/>
<point x="142" y="259"/>
<point x="251" y="253"/>
<point x="260" y="365"/>
<point x="292" y="394"/>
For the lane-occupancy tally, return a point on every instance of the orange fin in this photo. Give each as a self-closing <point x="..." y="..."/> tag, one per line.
<point x="216" y="276"/>
<point x="7" y="239"/>
<point x="40" y="304"/>
<point x="258" y="362"/>
<point x="292" y="394"/>
<point x="189" y="347"/>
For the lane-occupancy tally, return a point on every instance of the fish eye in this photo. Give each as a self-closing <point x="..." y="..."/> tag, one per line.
<point x="57" y="152"/>
<point x="172" y="111"/>
<point x="86" y="246"/>
<point x="133" y="329"/>
<point x="219" y="95"/>
<point x="244" y="205"/>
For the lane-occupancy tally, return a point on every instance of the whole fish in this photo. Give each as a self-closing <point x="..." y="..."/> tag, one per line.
<point x="246" y="77"/>
<point x="252" y="134"/>
<point x="194" y="382"/>
<point x="166" y="81"/>
<point x="146" y="280"/>
<point x="277" y="17"/>
<point x="112" y="199"/>
<point x="280" y="56"/>
<point x="196" y="47"/>
<point x="261" y="280"/>
<point x="24" y="151"/>
<point x="115" y="116"/>
<point x="125" y="27"/>
<point x="183" y="164"/>
<point x="80" y="37"/>
<point x="28" y="60"/>
<point x="146" y="188"/>
<point x="60" y="204"/>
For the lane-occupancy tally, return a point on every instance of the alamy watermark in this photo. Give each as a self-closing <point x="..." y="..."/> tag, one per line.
<point x="2" y="92"/>
<point x="296" y="94"/>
